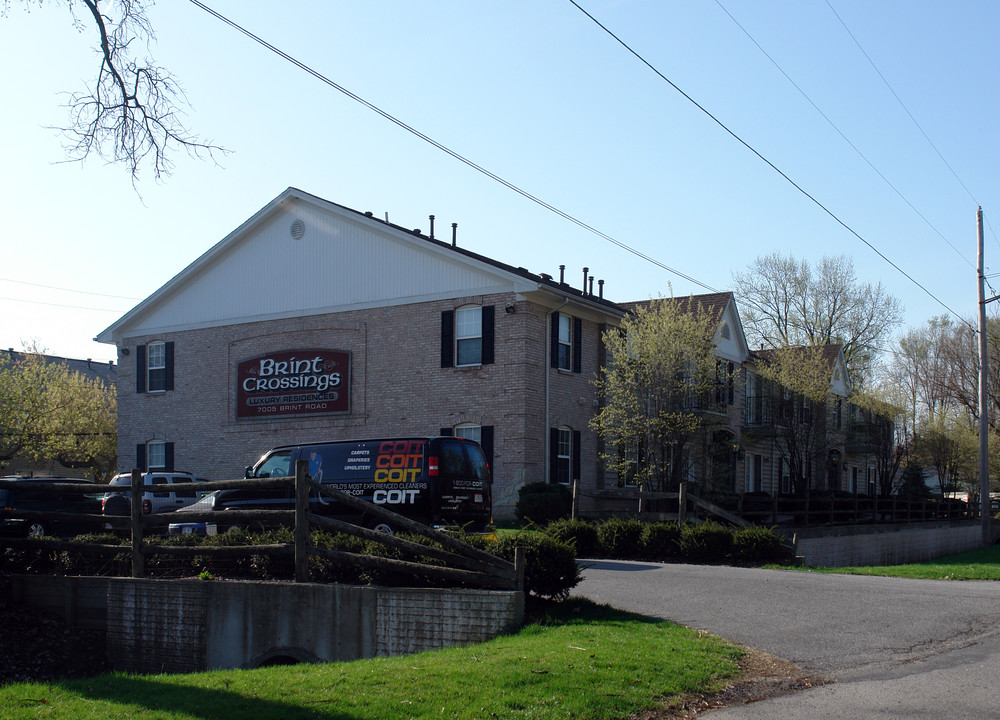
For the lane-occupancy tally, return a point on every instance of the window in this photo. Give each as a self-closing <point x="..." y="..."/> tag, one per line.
<point x="470" y="432"/>
<point x="564" y="455"/>
<point x="467" y="336"/>
<point x="629" y="465"/>
<point x="786" y="477"/>
<point x="565" y="342"/>
<point x="565" y="355"/>
<point x="564" y="444"/>
<point x="755" y="472"/>
<point x="154" y="367"/>
<point x="156" y="455"/>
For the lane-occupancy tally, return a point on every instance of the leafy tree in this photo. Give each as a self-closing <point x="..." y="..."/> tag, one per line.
<point x="660" y="378"/>
<point x="884" y="430"/>
<point x="130" y="112"/>
<point x="23" y="403"/>
<point x="81" y="428"/>
<point x="48" y="412"/>
<point x="787" y="303"/>
<point x="797" y="384"/>
<point x="949" y="445"/>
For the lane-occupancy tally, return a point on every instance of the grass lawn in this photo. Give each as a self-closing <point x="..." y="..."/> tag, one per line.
<point x="981" y="564"/>
<point x="583" y="661"/>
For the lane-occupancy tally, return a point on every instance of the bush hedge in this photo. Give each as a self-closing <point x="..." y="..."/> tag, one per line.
<point x="541" y="503"/>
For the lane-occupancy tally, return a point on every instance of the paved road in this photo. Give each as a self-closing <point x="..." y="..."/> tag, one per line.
<point x="893" y="648"/>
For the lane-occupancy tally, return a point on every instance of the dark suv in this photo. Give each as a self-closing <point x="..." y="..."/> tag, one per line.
<point x="23" y="496"/>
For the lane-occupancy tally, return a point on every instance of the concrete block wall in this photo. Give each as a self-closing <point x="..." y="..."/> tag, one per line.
<point x="158" y="626"/>
<point x="846" y="547"/>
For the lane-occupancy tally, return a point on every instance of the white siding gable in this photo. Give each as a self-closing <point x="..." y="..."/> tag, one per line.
<point x="332" y="259"/>
<point x="840" y="383"/>
<point x="730" y="342"/>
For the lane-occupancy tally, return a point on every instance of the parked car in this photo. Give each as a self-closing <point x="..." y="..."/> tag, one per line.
<point x="158" y="498"/>
<point x="30" y="497"/>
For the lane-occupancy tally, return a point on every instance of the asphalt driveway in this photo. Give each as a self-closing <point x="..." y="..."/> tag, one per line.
<point x="891" y="648"/>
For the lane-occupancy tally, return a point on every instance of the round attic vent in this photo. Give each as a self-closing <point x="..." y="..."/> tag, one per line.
<point x="298" y="230"/>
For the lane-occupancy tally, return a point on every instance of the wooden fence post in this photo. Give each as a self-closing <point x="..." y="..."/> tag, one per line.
<point x="138" y="561"/>
<point x="519" y="561"/>
<point x="682" y="503"/>
<point x="301" y="523"/>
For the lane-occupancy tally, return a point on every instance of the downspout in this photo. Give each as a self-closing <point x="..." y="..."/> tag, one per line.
<point x="548" y="366"/>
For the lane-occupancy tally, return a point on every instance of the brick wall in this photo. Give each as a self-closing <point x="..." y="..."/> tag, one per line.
<point x="397" y="388"/>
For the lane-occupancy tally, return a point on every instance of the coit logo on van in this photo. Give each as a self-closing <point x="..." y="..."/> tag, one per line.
<point x="399" y="461"/>
<point x="294" y="382"/>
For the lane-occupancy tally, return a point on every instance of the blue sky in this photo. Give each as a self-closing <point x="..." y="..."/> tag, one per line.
<point x="538" y="94"/>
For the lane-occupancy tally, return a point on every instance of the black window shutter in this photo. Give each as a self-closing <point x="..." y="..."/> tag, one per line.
<point x="577" y="343"/>
<point x="553" y="454"/>
<point x="575" y="470"/>
<point x="487" y="329"/>
<point x="140" y="456"/>
<point x="140" y="368"/>
<point x="554" y="342"/>
<point x="168" y="456"/>
<point x="447" y="338"/>
<point x="486" y="440"/>
<point x="168" y="380"/>
<point x="447" y="432"/>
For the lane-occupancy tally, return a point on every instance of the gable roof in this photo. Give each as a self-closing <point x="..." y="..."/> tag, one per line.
<point x="730" y="340"/>
<point x="832" y="355"/>
<point x="105" y="371"/>
<point x="301" y="255"/>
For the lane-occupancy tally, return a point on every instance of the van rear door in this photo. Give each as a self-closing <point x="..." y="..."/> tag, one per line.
<point x="462" y="486"/>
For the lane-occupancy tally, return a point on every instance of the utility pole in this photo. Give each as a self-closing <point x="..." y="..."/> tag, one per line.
<point x="984" y="479"/>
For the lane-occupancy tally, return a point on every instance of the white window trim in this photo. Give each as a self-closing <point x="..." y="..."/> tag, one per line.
<point x="161" y="354"/>
<point x="459" y="337"/>
<point x="162" y="445"/>
<point x="470" y="431"/>
<point x="568" y="343"/>
<point x="568" y="457"/>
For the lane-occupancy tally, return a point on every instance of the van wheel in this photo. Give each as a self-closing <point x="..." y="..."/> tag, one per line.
<point x="382" y="527"/>
<point x="36" y="530"/>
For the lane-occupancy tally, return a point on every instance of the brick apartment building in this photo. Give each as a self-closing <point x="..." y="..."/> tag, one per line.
<point x="315" y="322"/>
<point x="312" y="322"/>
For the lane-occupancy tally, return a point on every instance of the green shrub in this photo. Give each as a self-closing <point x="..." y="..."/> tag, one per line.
<point x="620" y="538"/>
<point x="705" y="542"/>
<point x="550" y="569"/>
<point x="660" y="541"/>
<point x="541" y="503"/>
<point x="578" y="534"/>
<point x="759" y="545"/>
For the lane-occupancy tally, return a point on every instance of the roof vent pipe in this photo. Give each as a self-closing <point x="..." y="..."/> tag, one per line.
<point x="432" y="227"/>
<point x="585" y="271"/>
<point x="600" y="289"/>
<point x="562" y="274"/>
<point x="454" y="234"/>
<point x="590" y="290"/>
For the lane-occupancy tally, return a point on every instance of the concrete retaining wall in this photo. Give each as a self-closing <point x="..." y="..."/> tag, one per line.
<point x="885" y="545"/>
<point x="190" y="625"/>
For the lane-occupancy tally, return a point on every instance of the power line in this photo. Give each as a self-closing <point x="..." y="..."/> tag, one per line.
<point x="774" y="167"/>
<point x="74" y="307"/>
<point x="62" y="289"/>
<point x="842" y="135"/>
<point x="478" y="168"/>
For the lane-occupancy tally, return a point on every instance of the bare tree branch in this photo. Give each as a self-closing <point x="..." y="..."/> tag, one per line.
<point x="131" y="113"/>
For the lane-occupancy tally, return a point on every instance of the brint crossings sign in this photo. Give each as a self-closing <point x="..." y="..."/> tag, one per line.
<point x="294" y="382"/>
